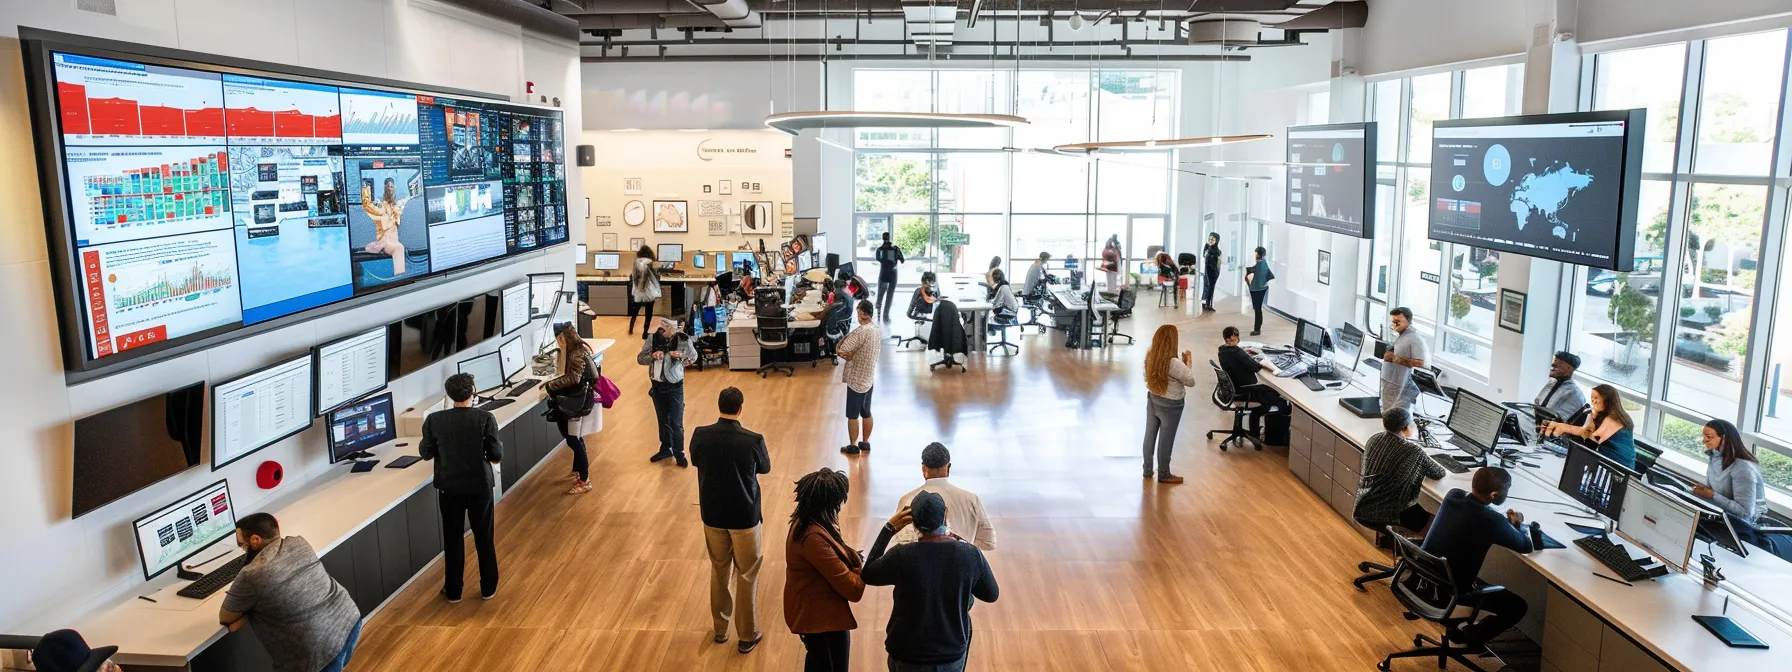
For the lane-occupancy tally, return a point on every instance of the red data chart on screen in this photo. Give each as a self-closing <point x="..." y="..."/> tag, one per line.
<point x="107" y="102"/>
<point x="260" y="111"/>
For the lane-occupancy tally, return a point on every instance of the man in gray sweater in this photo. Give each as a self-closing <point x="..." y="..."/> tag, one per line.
<point x="665" y="354"/>
<point x="305" y="620"/>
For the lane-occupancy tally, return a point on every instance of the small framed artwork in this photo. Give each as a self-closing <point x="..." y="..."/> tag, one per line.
<point x="756" y="218"/>
<point x="670" y="217"/>
<point x="1325" y="267"/>
<point x="636" y="243"/>
<point x="1512" y="310"/>
<point x="725" y="187"/>
<point x="610" y="241"/>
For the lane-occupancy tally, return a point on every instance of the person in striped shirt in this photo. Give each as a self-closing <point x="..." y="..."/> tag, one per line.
<point x="1393" y="470"/>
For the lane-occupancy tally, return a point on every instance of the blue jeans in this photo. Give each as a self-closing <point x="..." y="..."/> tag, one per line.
<point x="955" y="666"/>
<point x="348" y="650"/>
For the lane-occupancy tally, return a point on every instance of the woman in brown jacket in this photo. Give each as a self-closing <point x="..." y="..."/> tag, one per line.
<point x="821" y="573"/>
<point x="576" y="368"/>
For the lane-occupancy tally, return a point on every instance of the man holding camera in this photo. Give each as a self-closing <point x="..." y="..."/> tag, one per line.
<point x="664" y="353"/>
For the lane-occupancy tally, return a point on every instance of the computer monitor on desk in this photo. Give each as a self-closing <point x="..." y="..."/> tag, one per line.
<point x="487" y="371"/>
<point x="673" y="252"/>
<point x="1474" y="423"/>
<point x="361" y="425"/>
<point x="1595" y="481"/>
<point x="606" y="261"/>
<point x="178" y="531"/>
<point x="1660" y="523"/>
<point x="1309" y="339"/>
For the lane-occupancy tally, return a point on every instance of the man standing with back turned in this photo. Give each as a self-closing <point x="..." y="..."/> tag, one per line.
<point x="729" y="459"/>
<point x="936" y="579"/>
<point x="888" y="256"/>
<point x="860" y="350"/>
<point x="466" y="441"/>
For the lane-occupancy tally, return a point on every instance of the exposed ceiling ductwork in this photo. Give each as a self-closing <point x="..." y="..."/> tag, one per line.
<point x="929" y="23"/>
<point x="529" y="15"/>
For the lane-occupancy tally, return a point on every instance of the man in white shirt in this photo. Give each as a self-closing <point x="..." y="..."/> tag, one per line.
<point x="860" y="350"/>
<point x="1561" y="395"/>
<point x="964" y="510"/>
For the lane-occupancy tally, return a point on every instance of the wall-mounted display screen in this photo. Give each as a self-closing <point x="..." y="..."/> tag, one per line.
<point x="350" y="368"/>
<point x="126" y="449"/>
<point x="1558" y="186"/>
<point x="255" y="410"/>
<point x="1331" y="178"/>
<point x="516" y="308"/>
<point x="197" y="201"/>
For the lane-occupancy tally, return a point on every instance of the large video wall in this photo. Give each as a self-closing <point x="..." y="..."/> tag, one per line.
<point x="200" y="201"/>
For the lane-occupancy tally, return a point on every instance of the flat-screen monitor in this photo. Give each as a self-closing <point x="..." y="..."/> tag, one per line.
<point x="1331" y="177"/>
<point x="487" y="372"/>
<point x="1476" y="420"/>
<point x="1557" y="186"/>
<point x="699" y="261"/>
<point x="350" y="368"/>
<point x="200" y="196"/>
<point x="129" y="448"/>
<point x="422" y="339"/>
<point x="672" y="252"/>
<point x="512" y="358"/>
<point x="361" y="425"/>
<point x="1660" y="523"/>
<point x="1309" y="338"/>
<point x="172" y="534"/>
<point x="818" y="246"/>
<point x="743" y="262"/>
<point x="257" y="409"/>
<point x="1349" y="342"/>
<point x="606" y="261"/>
<point x="515" y="301"/>
<point x="1594" y="480"/>
<point x="543" y="287"/>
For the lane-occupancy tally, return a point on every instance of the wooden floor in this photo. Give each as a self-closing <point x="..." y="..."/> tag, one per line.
<point x="1240" y="568"/>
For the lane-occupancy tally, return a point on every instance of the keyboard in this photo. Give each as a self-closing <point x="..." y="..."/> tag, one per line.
<point x="214" y="580"/>
<point x="1613" y="556"/>
<point x="1292" y="370"/>
<point x="494" y="404"/>
<point x="1284" y="361"/>
<point x="524" y="386"/>
<point x="1448" y="463"/>
<point x="1312" y="383"/>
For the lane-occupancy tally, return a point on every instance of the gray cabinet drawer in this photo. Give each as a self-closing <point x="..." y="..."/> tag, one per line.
<point x="1343" y="500"/>
<point x="1561" y="651"/>
<point x="1298" y="464"/>
<point x="1322" y="447"/>
<point x="1618" y="654"/>
<point x="1580" y="626"/>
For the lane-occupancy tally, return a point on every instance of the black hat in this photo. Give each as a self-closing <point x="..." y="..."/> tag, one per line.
<point x="66" y="651"/>
<point x="1569" y="358"/>
<point x="929" y="511"/>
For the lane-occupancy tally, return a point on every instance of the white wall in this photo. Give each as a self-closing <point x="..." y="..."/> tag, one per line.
<point x="58" y="568"/>
<point x="681" y="166"/>
<point x="705" y="94"/>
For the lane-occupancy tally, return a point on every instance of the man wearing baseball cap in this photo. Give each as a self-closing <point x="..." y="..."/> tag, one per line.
<point x="66" y="651"/>
<point x="936" y="579"/>
<point x="1561" y="395"/>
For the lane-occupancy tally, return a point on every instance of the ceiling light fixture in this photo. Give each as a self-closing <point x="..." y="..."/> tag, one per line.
<point x="796" y="122"/>
<point x="1147" y="145"/>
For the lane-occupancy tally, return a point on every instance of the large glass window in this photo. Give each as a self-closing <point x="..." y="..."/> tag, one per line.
<point x="1650" y="79"/>
<point x="1474" y="289"/>
<point x="1421" y="259"/>
<point x="1132" y="182"/>
<point x="1493" y="91"/>
<point x="1056" y="106"/>
<point x="893" y="183"/>
<point x="1717" y="288"/>
<point x="1616" y="313"/>
<point x="1430" y="102"/>
<point x="1385" y="96"/>
<point x="1740" y="104"/>
<point x="1135" y="105"/>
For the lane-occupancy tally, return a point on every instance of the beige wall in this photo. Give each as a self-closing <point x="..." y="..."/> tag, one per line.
<point x="678" y="166"/>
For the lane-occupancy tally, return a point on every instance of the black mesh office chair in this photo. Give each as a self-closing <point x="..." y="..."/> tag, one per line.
<point x="1227" y="397"/>
<point x="773" y="334"/>
<point x="1035" y="300"/>
<point x="1773" y="533"/>
<point x="1425" y="588"/>
<point x="921" y="312"/>
<point x="835" y="326"/>
<point x="1125" y="303"/>
<point x="1376" y="571"/>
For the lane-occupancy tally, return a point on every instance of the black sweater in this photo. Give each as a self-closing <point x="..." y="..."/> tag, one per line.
<point x="1463" y="531"/>
<point x="466" y="440"/>
<point x="729" y="459"/>
<point x="930" y="620"/>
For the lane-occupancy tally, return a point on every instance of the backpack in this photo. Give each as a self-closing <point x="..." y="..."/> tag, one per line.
<point x="576" y="401"/>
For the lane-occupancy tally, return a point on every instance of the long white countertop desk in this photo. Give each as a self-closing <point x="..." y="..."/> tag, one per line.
<point x="1656" y="614"/>
<point x="326" y="511"/>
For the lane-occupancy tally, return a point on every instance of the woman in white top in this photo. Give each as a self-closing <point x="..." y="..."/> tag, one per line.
<point x="1166" y="377"/>
<point x="643" y="290"/>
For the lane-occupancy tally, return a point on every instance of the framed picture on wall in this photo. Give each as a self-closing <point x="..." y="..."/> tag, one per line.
<point x="725" y="187"/>
<point x="756" y="218"/>
<point x="670" y="217"/>
<point x="636" y="243"/>
<point x="1325" y="267"/>
<point x="610" y="241"/>
<point x="1512" y="309"/>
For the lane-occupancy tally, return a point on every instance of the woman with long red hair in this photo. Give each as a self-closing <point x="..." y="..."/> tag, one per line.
<point x="1167" y="377"/>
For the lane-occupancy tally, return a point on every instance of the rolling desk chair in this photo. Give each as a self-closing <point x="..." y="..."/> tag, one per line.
<point x="1227" y="398"/>
<point x="1167" y="278"/>
<point x="1423" y="585"/>
<point x="1125" y="303"/>
<point x="773" y="335"/>
<point x="921" y="312"/>
<point x="1001" y="323"/>
<point x="835" y="326"/>
<point x="1375" y="571"/>
<point x="1034" y="300"/>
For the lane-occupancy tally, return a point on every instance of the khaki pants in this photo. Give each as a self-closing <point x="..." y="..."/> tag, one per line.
<point x="733" y="553"/>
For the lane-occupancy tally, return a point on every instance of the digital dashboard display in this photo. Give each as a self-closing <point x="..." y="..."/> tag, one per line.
<point x="1561" y="187"/>
<point x="1331" y="178"/>
<point x="198" y="202"/>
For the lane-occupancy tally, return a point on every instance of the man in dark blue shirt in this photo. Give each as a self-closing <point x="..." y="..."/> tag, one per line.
<point x="1465" y="527"/>
<point x="936" y="581"/>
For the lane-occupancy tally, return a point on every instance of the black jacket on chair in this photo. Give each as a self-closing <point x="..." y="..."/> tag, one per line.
<point x="948" y="330"/>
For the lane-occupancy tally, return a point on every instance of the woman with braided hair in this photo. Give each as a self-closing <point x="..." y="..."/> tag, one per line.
<point x="821" y="573"/>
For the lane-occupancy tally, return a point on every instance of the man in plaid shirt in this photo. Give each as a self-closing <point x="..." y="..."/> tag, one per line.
<point x="860" y="350"/>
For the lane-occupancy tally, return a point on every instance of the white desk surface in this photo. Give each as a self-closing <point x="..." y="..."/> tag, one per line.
<point x="326" y="511"/>
<point x="622" y="277"/>
<point x="1657" y="614"/>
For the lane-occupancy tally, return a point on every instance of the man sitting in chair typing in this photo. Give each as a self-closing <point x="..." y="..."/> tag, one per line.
<point x="1465" y="527"/>
<point x="1242" y="369"/>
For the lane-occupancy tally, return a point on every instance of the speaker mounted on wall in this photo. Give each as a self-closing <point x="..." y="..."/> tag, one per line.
<point x="587" y="155"/>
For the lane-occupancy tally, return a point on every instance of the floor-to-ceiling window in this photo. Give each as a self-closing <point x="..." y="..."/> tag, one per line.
<point x="1693" y="333"/>
<point x="954" y="199"/>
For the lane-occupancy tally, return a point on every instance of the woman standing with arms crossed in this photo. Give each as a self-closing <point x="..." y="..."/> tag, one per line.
<point x="578" y="370"/>
<point x="1210" y="257"/>
<point x="821" y="574"/>
<point x="1167" y="375"/>
<point x="1609" y="427"/>
<point x="643" y="290"/>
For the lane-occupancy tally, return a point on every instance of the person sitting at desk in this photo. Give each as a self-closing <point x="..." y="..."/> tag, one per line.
<point x="1001" y="295"/>
<point x="1393" y="469"/>
<point x="1036" y="275"/>
<point x="1733" y="479"/>
<point x="1242" y="369"/>
<point x="1609" y="427"/>
<point x="989" y="276"/>
<point x="1561" y="395"/>
<point x="1465" y="527"/>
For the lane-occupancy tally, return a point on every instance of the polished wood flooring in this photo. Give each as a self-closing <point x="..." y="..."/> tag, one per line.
<point x="1240" y="568"/>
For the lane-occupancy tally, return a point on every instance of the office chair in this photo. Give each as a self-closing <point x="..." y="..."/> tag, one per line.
<point x="1034" y="300"/>
<point x="1423" y="585"/>
<point x="1375" y="571"/>
<point x="835" y="326"/>
<point x="1001" y="323"/>
<point x="921" y="312"/>
<point x="1227" y="397"/>
<point x="773" y="334"/>
<point x="1125" y="302"/>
